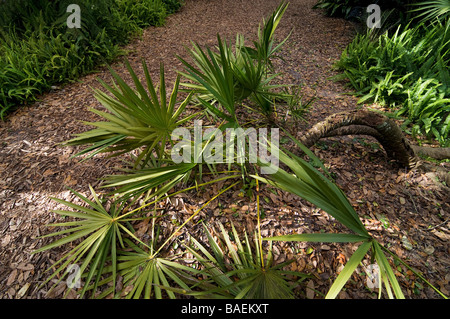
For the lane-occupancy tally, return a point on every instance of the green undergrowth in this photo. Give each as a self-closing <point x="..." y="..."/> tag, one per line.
<point x="39" y="50"/>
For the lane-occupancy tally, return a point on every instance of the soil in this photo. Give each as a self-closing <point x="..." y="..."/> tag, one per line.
<point x="407" y="210"/>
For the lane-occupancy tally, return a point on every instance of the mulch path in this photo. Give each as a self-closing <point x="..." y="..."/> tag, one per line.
<point x="405" y="210"/>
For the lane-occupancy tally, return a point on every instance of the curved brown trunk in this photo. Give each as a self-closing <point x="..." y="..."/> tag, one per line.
<point x="438" y="153"/>
<point x="385" y="130"/>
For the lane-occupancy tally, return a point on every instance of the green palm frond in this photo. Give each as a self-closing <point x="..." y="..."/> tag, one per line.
<point x="214" y="77"/>
<point x="309" y="184"/>
<point x="432" y="10"/>
<point x="234" y="269"/>
<point x="149" y="275"/>
<point x="136" y="118"/>
<point x="97" y="232"/>
<point x="157" y="180"/>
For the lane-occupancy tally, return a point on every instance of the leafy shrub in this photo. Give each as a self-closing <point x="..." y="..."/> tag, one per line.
<point x="30" y="67"/>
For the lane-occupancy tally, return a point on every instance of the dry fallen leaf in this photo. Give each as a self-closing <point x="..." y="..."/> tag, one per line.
<point x="392" y="192"/>
<point x="348" y="174"/>
<point x="48" y="172"/>
<point x="441" y="235"/>
<point x="310" y="293"/>
<point x="24" y="266"/>
<point x="6" y="240"/>
<point x="12" y="277"/>
<point x="22" y="290"/>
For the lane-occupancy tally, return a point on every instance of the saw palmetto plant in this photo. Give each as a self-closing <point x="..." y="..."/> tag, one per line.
<point x="137" y="118"/>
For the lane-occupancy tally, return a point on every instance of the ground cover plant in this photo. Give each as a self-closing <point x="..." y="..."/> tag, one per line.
<point x="38" y="50"/>
<point x="139" y="122"/>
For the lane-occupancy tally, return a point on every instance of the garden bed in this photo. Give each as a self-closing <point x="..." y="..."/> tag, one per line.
<point x="406" y="210"/>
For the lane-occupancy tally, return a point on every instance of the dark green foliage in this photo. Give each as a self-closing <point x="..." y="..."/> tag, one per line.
<point x="145" y="12"/>
<point x="38" y="50"/>
<point x="407" y="71"/>
<point x="404" y="64"/>
<point x="172" y="6"/>
<point x="393" y="12"/>
<point x="353" y="9"/>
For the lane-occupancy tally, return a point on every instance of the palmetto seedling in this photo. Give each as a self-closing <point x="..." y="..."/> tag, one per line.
<point x="149" y="274"/>
<point x="297" y="107"/>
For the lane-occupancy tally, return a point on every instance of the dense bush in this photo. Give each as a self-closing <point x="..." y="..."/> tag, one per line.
<point x="38" y="50"/>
